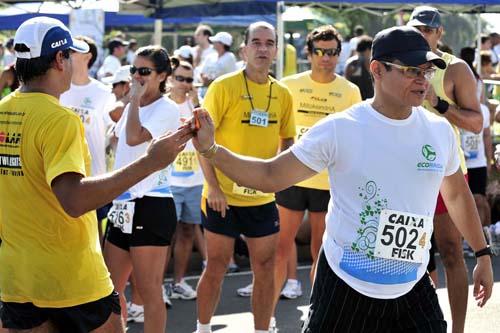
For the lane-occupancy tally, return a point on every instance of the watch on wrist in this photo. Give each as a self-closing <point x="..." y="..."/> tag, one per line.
<point x="442" y="106"/>
<point x="483" y="252"/>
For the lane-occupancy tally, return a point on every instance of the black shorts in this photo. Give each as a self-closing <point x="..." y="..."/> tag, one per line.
<point x="302" y="198"/>
<point x="81" y="318"/>
<point x="477" y="180"/>
<point x="336" y="307"/>
<point x="154" y="224"/>
<point x="253" y="221"/>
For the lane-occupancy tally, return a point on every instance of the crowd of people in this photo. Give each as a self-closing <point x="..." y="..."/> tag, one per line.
<point x="108" y="177"/>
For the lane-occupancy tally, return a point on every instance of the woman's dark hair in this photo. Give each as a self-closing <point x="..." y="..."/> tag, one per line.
<point x="326" y="33"/>
<point x="159" y="57"/>
<point x="468" y="55"/>
<point x="29" y="69"/>
<point x="176" y="63"/>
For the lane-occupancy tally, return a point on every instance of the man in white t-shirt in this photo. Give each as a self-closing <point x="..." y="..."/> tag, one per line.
<point x="117" y="50"/>
<point x="90" y="100"/>
<point x="387" y="160"/>
<point x="200" y="53"/>
<point x="221" y="62"/>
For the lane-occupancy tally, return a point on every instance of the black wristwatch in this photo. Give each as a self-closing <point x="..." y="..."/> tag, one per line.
<point x="484" y="252"/>
<point x="442" y="106"/>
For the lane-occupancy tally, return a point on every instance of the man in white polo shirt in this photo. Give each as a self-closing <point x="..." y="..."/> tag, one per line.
<point x="387" y="159"/>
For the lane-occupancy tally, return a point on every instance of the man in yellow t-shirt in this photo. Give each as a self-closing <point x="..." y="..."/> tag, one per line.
<point x="52" y="273"/>
<point x="316" y="94"/>
<point x="452" y="95"/>
<point x="253" y="116"/>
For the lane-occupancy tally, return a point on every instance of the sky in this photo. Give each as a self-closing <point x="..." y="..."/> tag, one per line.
<point x="494" y="20"/>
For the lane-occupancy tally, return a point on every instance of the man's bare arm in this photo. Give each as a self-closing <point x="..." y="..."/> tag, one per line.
<point x="78" y="194"/>
<point x="466" y="113"/>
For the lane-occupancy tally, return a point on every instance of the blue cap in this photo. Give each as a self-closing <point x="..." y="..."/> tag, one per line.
<point x="425" y="16"/>
<point x="44" y="36"/>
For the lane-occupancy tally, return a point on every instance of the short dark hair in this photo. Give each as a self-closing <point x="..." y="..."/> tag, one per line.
<point x="92" y="49"/>
<point x="29" y="69"/>
<point x="326" y="33"/>
<point x="259" y="24"/>
<point x="364" y="43"/>
<point x="359" y="30"/>
<point x="484" y="38"/>
<point x="468" y="55"/>
<point x="159" y="57"/>
<point x="176" y="63"/>
<point x="113" y="44"/>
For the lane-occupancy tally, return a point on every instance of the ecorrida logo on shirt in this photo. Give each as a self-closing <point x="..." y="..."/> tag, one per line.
<point x="430" y="155"/>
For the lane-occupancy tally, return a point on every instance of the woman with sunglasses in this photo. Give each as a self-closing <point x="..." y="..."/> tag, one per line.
<point x="143" y="219"/>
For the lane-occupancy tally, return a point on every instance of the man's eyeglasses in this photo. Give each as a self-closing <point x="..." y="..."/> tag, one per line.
<point x="143" y="71"/>
<point x="329" y="52"/>
<point x="181" y="78"/>
<point x="413" y="72"/>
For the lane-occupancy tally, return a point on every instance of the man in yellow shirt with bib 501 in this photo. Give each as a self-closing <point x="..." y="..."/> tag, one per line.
<point x="253" y="116"/>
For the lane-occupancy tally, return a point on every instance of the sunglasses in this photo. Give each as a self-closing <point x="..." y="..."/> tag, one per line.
<point x="181" y="78"/>
<point x="329" y="52"/>
<point x="426" y="30"/>
<point x="413" y="72"/>
<point x="143" y="71"/>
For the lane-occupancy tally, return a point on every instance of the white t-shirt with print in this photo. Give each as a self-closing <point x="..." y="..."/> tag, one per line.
<point x="158" y="118"/>
<point x="473" y="144"/>
<point x="91" y="102"/>
<point x="186" y="170"/>
<point x="374" y="164"/>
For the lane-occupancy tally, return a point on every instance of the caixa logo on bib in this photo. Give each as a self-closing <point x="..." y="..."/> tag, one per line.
<point x="429" y="164"/>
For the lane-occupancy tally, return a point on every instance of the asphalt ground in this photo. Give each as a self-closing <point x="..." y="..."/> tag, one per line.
<point x="233" y="314"/>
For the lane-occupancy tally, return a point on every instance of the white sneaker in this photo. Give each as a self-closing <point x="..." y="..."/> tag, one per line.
<point x="273" y="328"/>
<point x="182" y="290"/>
<point x="292" y="290"/>
<point x="165" y="291"/>
<point x="135" y="313"/>
<point x="245" y="291"/>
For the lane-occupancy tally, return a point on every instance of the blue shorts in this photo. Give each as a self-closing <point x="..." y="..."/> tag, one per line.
<point x="253" y="221"/>
<point x="187" y="203"/>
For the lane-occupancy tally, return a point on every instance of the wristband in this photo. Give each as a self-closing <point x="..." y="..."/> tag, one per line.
<point x="484" y="252"/>
<point x="442" y="106"/>
<point x="210" y="152"/>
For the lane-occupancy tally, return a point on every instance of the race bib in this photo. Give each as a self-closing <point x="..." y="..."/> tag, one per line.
<point x="403" y="236"/>
<point x="249" y="192"/>
<point x="121" y="215"/>
<point x="470" y="145"/>
<point x="301" y="130"/>
<point x="186" y="161"/>
<point x="259" y="118"/>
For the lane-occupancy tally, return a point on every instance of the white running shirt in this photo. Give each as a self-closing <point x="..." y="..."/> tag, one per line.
<point x="376" y="163"/>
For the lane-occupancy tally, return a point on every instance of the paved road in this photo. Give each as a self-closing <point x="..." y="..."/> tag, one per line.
<point x="233" y="314"/>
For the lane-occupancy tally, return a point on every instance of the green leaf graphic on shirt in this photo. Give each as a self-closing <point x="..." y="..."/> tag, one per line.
<point x="368" y="217"/>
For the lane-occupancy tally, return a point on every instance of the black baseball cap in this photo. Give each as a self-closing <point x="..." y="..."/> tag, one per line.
<point x="425" y="16"/>
<point x="405" y="44"/>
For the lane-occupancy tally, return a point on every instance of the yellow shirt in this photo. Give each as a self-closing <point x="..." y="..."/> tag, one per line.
<point x="228" y="103"/>
<point x="290" y="67"/>
<point x="437" y="83"/>
<point x="47" y="257"/>
<point x="313" y="101"/>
